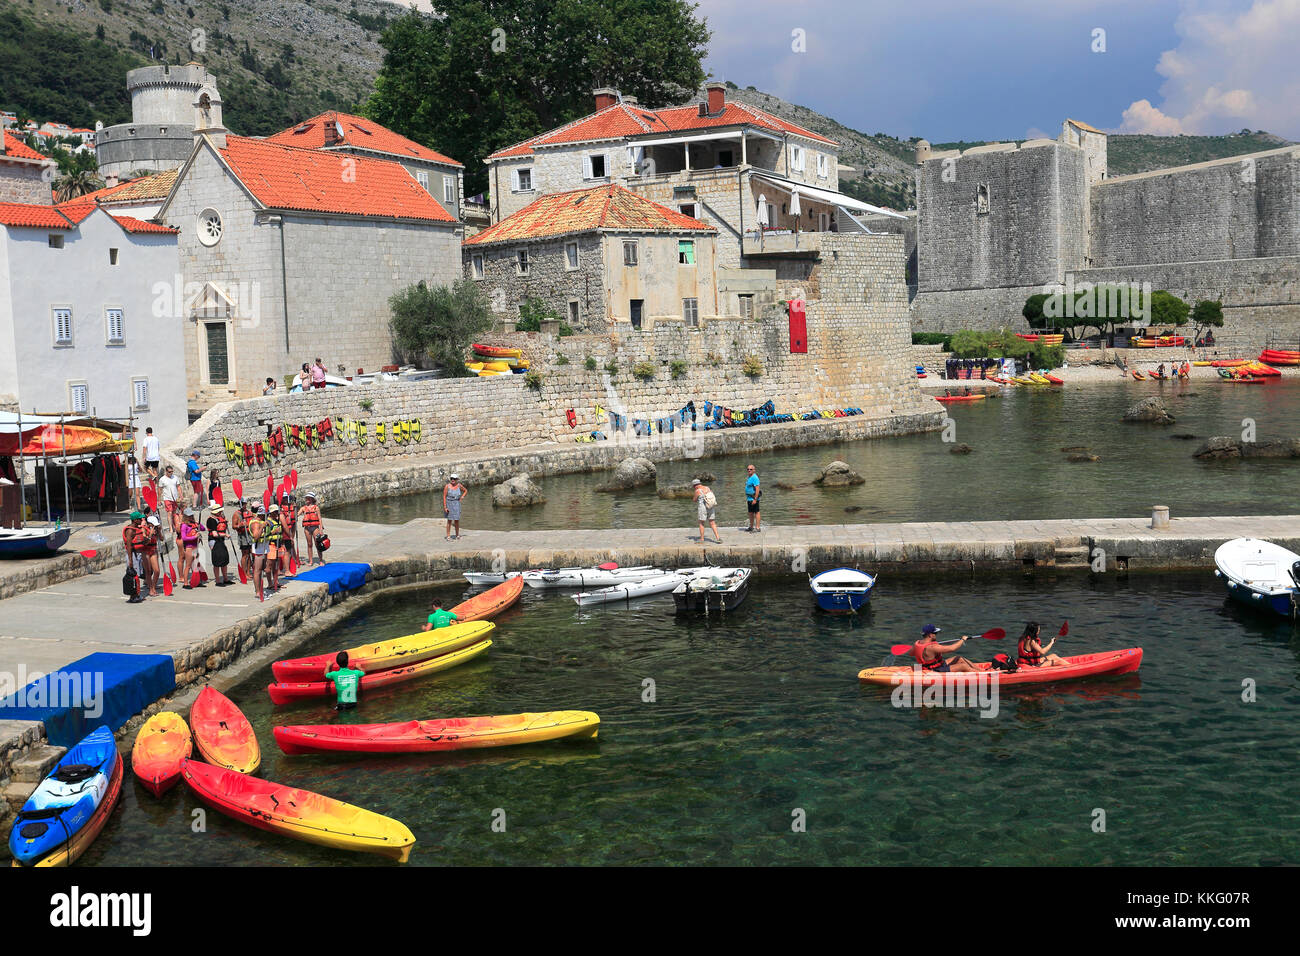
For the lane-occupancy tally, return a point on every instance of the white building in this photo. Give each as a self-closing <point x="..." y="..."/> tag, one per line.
<point x="77" y="315"/>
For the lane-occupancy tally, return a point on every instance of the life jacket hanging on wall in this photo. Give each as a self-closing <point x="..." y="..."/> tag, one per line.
<point x="798" y="326"/>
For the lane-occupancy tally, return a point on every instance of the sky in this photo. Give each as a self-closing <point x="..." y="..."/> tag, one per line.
<point x="951" y="70"/>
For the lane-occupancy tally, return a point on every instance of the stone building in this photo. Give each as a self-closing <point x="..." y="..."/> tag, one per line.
<point x="287" y="254"/>
<point x="602" y="258"/>
<point x="25" y="175"/>
<point x="161" y="132"/>
<point x="999" y="223"/>
<point x="752" y="175"/>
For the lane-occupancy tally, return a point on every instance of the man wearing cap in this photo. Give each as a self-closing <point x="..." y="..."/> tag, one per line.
<point x="929" y="652"/>
<point x="311" y="526"/>
<point x="194" y="474"/>
<point x="453" y="493"/>
<point x="134" y="536"/>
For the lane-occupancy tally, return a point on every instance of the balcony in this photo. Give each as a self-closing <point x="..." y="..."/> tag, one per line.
<point x="782" y="242"/>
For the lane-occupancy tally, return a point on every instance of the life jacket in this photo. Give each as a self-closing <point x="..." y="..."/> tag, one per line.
<point x="310" y="516"/>
<point x="257" y="528"/>
<point x="135" y="538"/>
<point x="290" y="514"/>
<point x="1027" y="656"/>
<point x="276" y="532"/>
<point x="918" y="651"/>
<point x="219" y="532"/>
<point x="248" y="455"/>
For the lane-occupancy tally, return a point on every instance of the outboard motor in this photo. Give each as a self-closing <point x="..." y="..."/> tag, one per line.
<point x="1295" y="573"/>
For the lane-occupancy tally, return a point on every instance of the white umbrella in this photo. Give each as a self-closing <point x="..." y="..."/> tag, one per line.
<point x="794" y="204"/>
<point x="762" y="210"/>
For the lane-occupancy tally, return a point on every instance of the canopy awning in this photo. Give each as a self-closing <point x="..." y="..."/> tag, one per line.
<point x="693" y="138"/>
<point x="829" y="196"/>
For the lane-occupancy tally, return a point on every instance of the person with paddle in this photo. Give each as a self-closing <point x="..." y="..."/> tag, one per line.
<point x="1030" y="653"/>
<point x="347" y="681"/>
<point x="189" y="537"/>
<point x="929" y="653"/>
<point x="149" y="556"/>
<point x="439" y="618"/>
<point x="239" y="525"/>
<point x="134" y="536"/>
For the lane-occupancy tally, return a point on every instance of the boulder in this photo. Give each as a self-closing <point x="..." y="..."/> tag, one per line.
<point x="1082" y="457"/>
<point x="838" y="475"/>
<point x="1149" y="410"/>
<point x="1225" y="446"/>
<point x="960" y="450"/>
<point x="686" y="490"/>
<point x="517" y="491"/>
<point x="630" y="473"/>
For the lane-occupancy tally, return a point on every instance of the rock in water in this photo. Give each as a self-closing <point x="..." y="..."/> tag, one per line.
<point x="1078" y="457"/>
<point x="838" y="475"/>
<point x="1183" y="436"/>
<point x="518" y="491"/>
<point x="786" y="486"/>
<point x="630" y="473"/>
<point x="707" y="477"/>
<point x="677" y="491"/>
<point x="960" y="450"/>
<point x="1225" y="446"/>
<point x="1149" y="410"/>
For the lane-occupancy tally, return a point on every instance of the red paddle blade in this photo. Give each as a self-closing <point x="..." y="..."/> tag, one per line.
<point x="266" y="498"/>
<point x="994" y="635"/>
<point x="243" y="575"/>
<point x="900" y="649"/>
<point x="167" y="586"/>
<point x="293" y="480"/>
<point x="194" y="578"/>
<point x="171" y="572"/>
<point x="89" y="554"/>
<point x="293" y="565"/>
<point x="150" y="497"/>
<point x="270" y="482"/>
<point x="203" y="576"/>
<point x="217" y="498"/>
<point x="238" y="486"/>
<point x="1065" y="629"/>
<point x="608" y="566"/>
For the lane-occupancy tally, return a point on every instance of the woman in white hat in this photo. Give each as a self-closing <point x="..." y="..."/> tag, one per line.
<point x="453" y="493"/>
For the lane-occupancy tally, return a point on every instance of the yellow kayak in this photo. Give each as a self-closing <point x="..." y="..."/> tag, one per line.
<point x="476" y="366"/>
<point x="496" y="366"/>
<point x="1039" y="379"/>
<point x="384" y="655"/>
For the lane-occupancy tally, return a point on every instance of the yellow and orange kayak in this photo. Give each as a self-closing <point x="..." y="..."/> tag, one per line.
<point x="222" y="734"/>
<point x="490" y="603"/>
<point x="160" y="746"/>
<point x="429" y="736"/>
<point x="385" y="655"/>
<point x="296" y="813"/>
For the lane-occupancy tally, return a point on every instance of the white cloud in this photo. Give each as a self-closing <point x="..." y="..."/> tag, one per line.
<point x="1231" y="69"/>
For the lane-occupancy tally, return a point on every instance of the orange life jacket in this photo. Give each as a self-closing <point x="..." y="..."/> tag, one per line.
<point x="918" y="651"/>
<point x="135" y="538"/>
<point x="310" y="516"/>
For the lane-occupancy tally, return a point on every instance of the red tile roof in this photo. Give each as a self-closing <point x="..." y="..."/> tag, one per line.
<point x="131" y="224"/>
<point x="622" y="121"/>
<point x="283" y="177"/>
<point x="144" y="189"/>
<point x="33" y="215"/>
<point x="609" y="207"/>
<point x="360" y="133"/>
<point x="78" y="209"/>
<point x="13" y="146"/>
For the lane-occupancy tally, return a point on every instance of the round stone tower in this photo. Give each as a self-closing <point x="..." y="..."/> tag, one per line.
<point x="161" y="132"/>
<point x="922" y="151"/>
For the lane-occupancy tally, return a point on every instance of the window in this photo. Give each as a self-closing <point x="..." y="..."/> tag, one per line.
<point x="140" y="394"/>
<point x="691" y="312"/>
<point x="449" y="190"/>
<point x="685" y="252"/>
<point x="522" y="262"/>
<point x="796" y="158"/>
<point x="79" y="396"/>
<point x="594" y="166"/>
<point x="113" y="327"/>
<point x="422" y="178"/>
<point x="629" y="253"/>
<point x="571" y="256"/>
<point x="982" y="199"/>
<point x="823" y="165"/>
<point x="523" y="179"/>
<point x="218" y="353"/>
<point x="56" y="241"/>
<point x="476" y="265"/>
<point x="687" y="209"/>
<point x="746" y="306"/>
<point x="573" y="312"/>
<point x="208" y="226"/>
<point x="112" y="257"/>
<point x="62" y="327"/>
<point x="726" y="157"/>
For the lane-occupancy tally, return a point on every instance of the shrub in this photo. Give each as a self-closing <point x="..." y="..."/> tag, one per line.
<point x="561" y="360"/>
<point x="612" y="366"/>
<point x="590" y="363"/>
<point x="533" y="379"/>
<point x="439" y="322"/>
<point x="752" y="366"/>
<point x="933" y="338"/>
<point x="677" y="367"/>
<point x="1004" y="343"/>
<point x="366" y="404"/>
<point x="1167" y="310"/>
<point x="714" y="359"/>
<point x="565" y="329"/>
<point x="533" y="312"/>
<point x="644" y="370"/>
<point x="1207" y="314"/>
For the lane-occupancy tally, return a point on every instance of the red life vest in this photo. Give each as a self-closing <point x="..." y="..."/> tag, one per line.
<point x="310" y="516"/>
<point x="1026" y="656"/>
<point x="135" y="538"/>
<point x="219" y="532"/>
<point x="918" y="651"/>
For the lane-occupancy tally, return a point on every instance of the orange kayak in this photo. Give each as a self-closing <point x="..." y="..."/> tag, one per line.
<point x="491" y="602"/>
<point x="222" y="734"/>
<point x="160" y="746"/>
<point x="428" y="736"/>
<point x="299" y="814"/>
<point x="1081" y="665"/>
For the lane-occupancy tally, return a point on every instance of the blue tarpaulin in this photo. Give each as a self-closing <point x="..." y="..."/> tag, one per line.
<point x="101" y="690"/>
<point x="340" y="577"/>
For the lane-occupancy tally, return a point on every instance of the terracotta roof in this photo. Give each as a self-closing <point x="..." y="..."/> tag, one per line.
<point x="360" y="133"/>
<point x="1083" y="125"/>
<point x="131" y="224"/>
<point x="13" y="146"/>
<point x="33" y="215"/>
<point x="283" y="177"/>
<point x="144" y="189"/>
<point x="586" y="210"/>
<point x="622" y="121"/>
<point x="78" y="209"/>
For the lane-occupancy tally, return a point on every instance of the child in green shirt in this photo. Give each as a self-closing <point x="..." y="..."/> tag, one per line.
<point x="439" y="617"/>
<point x="347" y="681"/>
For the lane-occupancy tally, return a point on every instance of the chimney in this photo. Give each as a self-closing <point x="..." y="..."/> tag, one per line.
<point x="605" y="98"/>
<point x="717" y="97"/>
<point x="110" y="180"/>
<point x="333" y="134"/>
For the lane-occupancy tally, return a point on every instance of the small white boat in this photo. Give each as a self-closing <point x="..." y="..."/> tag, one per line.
<point x="607" y="575"/>
<point x="713" y="589"/>
<point x="488" y="577"/>
<point x="841" y="590"/>
<point x="1260" y="574"/>
<point x="660" y="583"/>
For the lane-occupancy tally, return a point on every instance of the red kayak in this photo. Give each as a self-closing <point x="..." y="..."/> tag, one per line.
<point x="283" y="693"/>
<point x="430" y="736"/>
<point x="1054" y="380"/>
<point x="1081" y="665"/>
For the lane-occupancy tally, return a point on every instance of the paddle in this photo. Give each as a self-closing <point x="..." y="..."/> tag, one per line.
<point x="89" y="554"/>
<point x="293" y="479"/>
<point x="994" y="635"/>
<point x="238" y="485"/>
<point x="218" y="498"/>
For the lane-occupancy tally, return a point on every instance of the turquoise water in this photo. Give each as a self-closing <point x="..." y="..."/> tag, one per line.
<point x="1017" y="469"/>
<point x="760" y="715"/>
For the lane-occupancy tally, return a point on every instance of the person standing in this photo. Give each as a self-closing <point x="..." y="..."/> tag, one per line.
<point x="152" y="453"/>
<point x="275" y="535"/>
<point x="259" y="533"/>
<point x="152" y="567"/>
<point x="218" y="534"/>
<point x="270" y="387"/>
<point x="171" y="493"/>
<point x="303" y="379"/>
<point x="311" y="526"/>
<point x="753" y="492"/>
<point x="288" y="532"/>
<point x="194" y="474"/>
<point x="705" y="502"/>
<point x="133" y="536"/>
<point x="133" y="482"/>
<point x="239" y="525"/>
<point x="189" y="541"/>
<point x="453" y="493"/>
<point x="214" y="486"/>
<point x="318" y="374"/>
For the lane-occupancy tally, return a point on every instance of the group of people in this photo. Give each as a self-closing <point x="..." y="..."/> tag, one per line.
<point x="1181" y="370"/>
<point x="1030" y="651"/>
<point x="311" y="376"/>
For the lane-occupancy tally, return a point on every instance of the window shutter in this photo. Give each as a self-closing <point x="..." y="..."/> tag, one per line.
<point x="79" y="397"/>
<point x="62" y="325"/>
<point x="141" y="393"/>
<point x="514" y="179"/>
<point x="586" y="167"/>
<point x="115" y="331"/>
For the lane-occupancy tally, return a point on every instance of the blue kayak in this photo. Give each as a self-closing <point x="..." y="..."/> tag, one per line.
<point x="66" y="799"/>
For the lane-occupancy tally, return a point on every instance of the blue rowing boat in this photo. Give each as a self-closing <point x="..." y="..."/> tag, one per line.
<point x="32" y="542"/>
<point x="842" y="590"/>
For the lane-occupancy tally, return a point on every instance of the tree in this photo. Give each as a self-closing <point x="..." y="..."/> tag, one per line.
<point x="1167" y="310"/>
<point x="1206" y="314"/>
<point x="439" y="322"/>
<point x="489" y="73"/>
<point x="74" y="183"/>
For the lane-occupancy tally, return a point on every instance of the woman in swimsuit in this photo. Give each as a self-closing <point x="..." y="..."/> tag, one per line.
<point x="1030" y="653"/>
<point x="453" y="493"/>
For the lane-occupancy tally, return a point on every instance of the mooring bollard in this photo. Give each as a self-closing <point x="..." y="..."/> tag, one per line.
<point x="1159" y="517"/>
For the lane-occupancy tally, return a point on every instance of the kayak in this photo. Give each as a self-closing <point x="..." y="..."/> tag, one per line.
<point x="63" y="805"/>
<point x="222" y="734"/>
<point x="300" y="814"/>
<point x="589" y="577"/>
<point x="1080" y="665"/>
<point x="1228" y="363"/>
<point x="496" y="351"/>
<point x="1054" y="380"/>
<point x="659" y="584"/>
<point x="429" y="736"/>
<point x="282" y="693"/>
<point x="947" y="399"/>
<point x="385" y="655"/>
<point x="489" y="603"/>
<point x="68" y="853"/>
<point x="1038" y="379"/>
<point x="160" y="746"/>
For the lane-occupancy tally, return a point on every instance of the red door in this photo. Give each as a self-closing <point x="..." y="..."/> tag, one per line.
<point x="798" y="326"/>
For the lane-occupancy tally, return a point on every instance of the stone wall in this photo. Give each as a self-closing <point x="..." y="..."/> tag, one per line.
<point x="24" y="184"/>
<point x="549" y="278"/>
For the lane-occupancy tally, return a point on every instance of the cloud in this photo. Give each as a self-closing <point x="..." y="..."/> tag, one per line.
<point x="1231" y="69"/>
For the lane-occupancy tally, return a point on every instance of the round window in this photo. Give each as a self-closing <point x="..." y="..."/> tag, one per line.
<point x="209" y="227"/>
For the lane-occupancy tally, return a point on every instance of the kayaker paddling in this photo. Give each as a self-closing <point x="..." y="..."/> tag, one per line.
<point x="1031" y="653"/>
<point x="929" y="653"/>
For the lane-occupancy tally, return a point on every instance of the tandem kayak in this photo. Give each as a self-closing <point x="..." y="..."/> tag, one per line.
<point x="1080" y="665"/>
<point x="282" y="693"/>
<point x="296" y="813"/>
<point x="66" y="802"/>
<point x="222" y="733"/>
<point x="428" y="736"/>
<point x="160" y="746"/>
<point x="385" y="655"/>
<point x="960" y="398"/>
<point x="491" y="602"/>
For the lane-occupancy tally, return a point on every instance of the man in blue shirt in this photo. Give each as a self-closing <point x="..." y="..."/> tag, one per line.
<point x="752" y="495"/>
<point x="194" y="474"/>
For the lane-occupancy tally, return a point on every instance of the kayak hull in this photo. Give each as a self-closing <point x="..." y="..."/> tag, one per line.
<point x="300" y="814"/>
<point x="222" y="734"/>
<point x="68" y="854"/>
<point x="1107" y="663"/>
<point x="490" y="603"/>
<point x="435" y="736"/>
<point x="385" y="655"/>
<point x="283" y="693"/>
<point x="160" y="746"/>
<point x="63" y="805"/>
